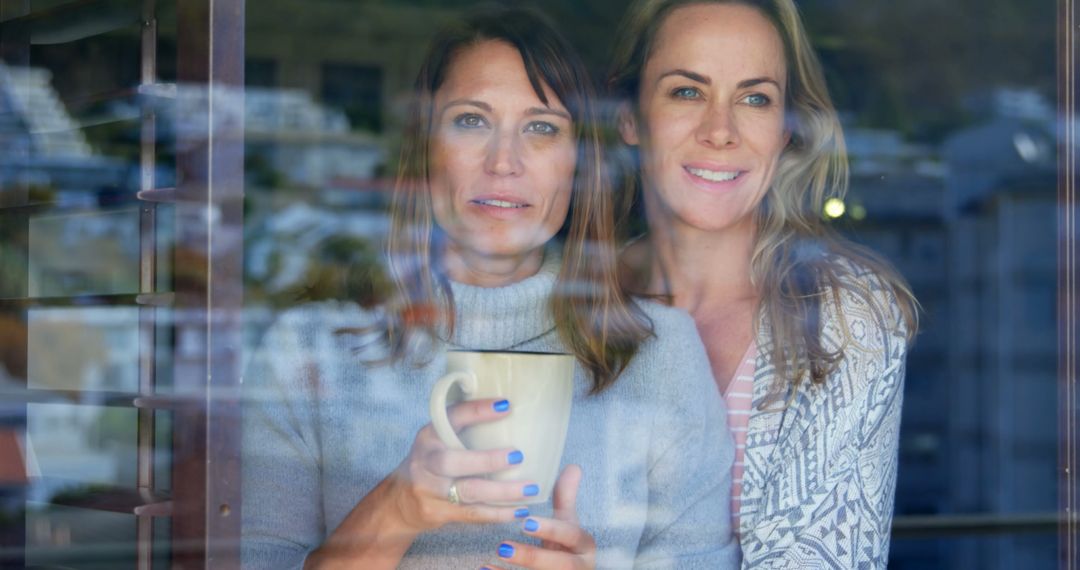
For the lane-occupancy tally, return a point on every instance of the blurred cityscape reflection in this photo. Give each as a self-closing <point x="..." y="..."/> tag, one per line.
<point x="954" y="162"/>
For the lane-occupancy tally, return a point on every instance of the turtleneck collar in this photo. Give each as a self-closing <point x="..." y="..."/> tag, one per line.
<point x="494" y="318"/>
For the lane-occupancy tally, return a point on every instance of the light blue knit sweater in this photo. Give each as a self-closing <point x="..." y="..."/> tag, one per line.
<point x="321" y="429"/>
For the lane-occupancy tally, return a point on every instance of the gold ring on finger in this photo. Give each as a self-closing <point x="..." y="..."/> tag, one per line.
<point x="453" y="495"/>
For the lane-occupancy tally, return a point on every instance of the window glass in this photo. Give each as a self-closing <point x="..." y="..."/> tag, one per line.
<point x="110" y="218"/>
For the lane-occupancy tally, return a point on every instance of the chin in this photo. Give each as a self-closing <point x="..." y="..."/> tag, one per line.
<point x="709" y="223"/>
<point x="499" y="247"/>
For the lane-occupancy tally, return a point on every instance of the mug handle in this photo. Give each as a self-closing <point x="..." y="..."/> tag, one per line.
<point x="439" y="419"/>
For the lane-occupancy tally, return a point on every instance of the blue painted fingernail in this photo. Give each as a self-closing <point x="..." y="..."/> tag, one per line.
<point x="521" y="513"/>
<point x="501" y="405"/>
<point x="531" y="490"/>
<point x="506" y="550"/>
<point x="531" y="525"/>
<point x="515" y="457"/>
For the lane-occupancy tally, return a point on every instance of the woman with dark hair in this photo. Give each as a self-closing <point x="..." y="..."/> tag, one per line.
<point x="739" y="146"/>
<point x="342" y="468"/>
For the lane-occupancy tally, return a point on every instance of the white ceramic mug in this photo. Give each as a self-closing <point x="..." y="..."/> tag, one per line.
<point x="539" y="387"/>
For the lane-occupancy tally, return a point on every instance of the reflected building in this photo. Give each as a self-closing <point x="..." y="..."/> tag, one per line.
<point x="69" y="234"/>
<point x="971" y="226"/>
<point x="1002" y="209"/>
<point x="325" y="101"/>
<point x="41" y="145"/>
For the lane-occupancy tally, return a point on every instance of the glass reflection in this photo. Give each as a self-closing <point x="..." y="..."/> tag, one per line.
<point x="951" y="124"/>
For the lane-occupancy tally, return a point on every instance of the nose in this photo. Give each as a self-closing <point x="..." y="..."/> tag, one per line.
<point x="503" y="156"/>
<point x="718" y="128"/>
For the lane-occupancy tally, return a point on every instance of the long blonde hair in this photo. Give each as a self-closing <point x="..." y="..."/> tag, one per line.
<point x="797" y="259"/>
<point x="594" y="317"/>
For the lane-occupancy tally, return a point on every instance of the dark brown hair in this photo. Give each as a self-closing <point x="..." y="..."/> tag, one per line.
<point x="594" y="317"/>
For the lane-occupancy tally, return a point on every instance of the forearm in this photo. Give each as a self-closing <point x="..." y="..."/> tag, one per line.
<point x="853" y="494"/>
<point x="372" y="536"/>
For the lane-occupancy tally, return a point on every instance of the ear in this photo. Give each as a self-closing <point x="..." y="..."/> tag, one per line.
<point x="627" y="123"/>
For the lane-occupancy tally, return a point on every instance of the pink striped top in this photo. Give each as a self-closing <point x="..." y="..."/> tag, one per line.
<point x="739" y="397"/>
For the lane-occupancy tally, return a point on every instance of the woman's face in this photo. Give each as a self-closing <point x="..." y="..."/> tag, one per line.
<point x="710" y="125"/>
<point x="502" y="162"/>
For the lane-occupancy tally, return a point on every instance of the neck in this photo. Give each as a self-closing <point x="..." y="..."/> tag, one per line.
<point x="702" y="269"/>
<point x="491" y="271"/>
<point x="501" y="318"/>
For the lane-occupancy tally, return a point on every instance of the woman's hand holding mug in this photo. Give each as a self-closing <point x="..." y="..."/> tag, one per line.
<point x="436" y="485"/>
<point x="417" y="496"/>
<point x="564" y="544"/>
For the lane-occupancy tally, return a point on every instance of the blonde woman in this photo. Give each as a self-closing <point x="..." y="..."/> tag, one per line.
<point x="342" y="468"/>
<point x="739" y="146"/>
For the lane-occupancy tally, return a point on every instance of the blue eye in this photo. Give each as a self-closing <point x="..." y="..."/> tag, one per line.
<point x="469" y="121"/>
<point x="541" y="128"/>
<point x="757" y="100"/>
<point x="686" y="93"/>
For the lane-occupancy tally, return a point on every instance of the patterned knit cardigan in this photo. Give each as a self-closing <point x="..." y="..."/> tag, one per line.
<point x="820" y="475"/>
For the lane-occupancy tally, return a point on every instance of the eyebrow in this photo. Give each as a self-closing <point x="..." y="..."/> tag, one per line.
<point x="531" y="111"/>
<point x="468" y="103"/>
<point x="758" y="81"/>
<point x="692" y="76"/>
<point x="687" y="74"/>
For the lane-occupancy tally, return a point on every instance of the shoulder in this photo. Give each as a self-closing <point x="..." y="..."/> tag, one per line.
<point x="668" y="321"/>
<point x="314" y="333"/>
<point x="674" y="346"/>
<point x="862" y="320"/>
<point x="671" y="376"/>
<point x="312" y="320"/>
<point x="329" y="313"/>
<point x="861" y="305"/>
<point x="675" y="337"/>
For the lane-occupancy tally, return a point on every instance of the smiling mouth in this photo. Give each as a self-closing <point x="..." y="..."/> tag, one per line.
<point x="499" y="204"/>
<point x="714" y="175"/>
